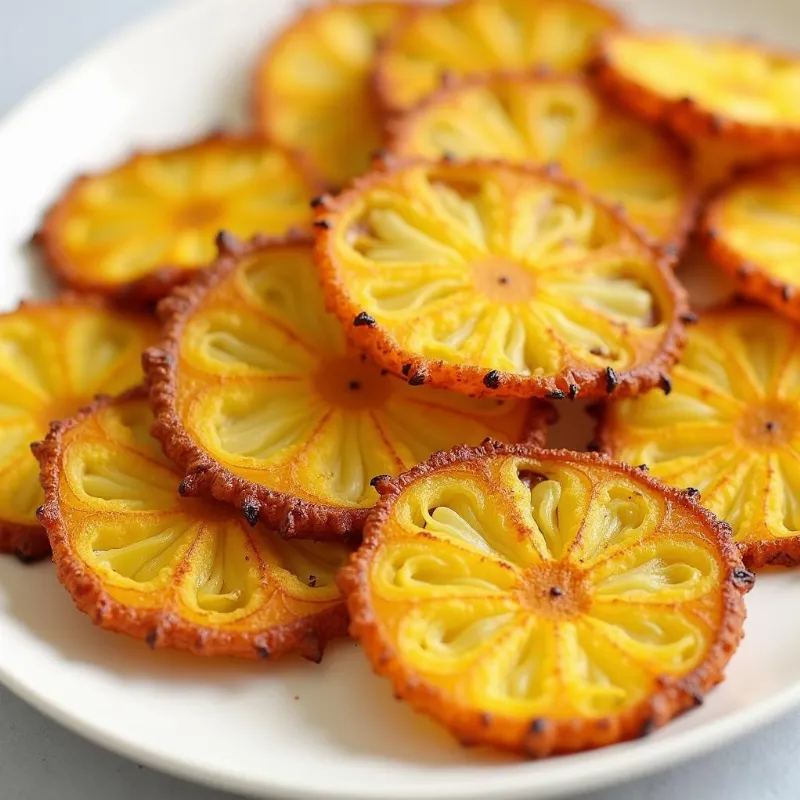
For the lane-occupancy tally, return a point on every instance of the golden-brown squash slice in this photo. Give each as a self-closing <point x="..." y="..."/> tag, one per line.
<point x="731" y="90"/>
<point x="147" y="224"/>
<point x="752" y="230"/>
<point x="471" y="37"/>
<point x="54" y="357"/>
<point x="497" y="279"/>
<point x="263" y="404"/>
<point x="552" y="120"/>
<point x="730" y="429"/>
<point x="544" y="601"/>
<point x="312" y="86"/>
<point x="182" y="573"/>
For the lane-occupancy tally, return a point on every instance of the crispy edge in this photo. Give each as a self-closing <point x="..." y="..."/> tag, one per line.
<point x="783" y="552"/>
<point x="538" y="738"/>
<point x="29" y="543"/>
<point x="688" y="118"/>
<point x="289" y="515"/>
<point x="751" y="278"/>
<point x="378" y="344"/>
<point x="160" y="628"/>
<point x="383" y="85"/>
<point x="400" y="129"/>
<point x="263" y="98"/>
<point x="157" y="283"/>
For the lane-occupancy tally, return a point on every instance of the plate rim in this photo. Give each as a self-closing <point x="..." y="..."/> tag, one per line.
<point x="614" y="767"/>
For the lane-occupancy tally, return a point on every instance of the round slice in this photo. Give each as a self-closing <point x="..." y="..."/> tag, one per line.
<point x="147" y="224"/>
<point x="471" y="37"/>
<point x="54" y="357"/>
<point x="547" y="120"/>
<point x="544" y="601"/>
<point x="730" y="429"/>
<point x="496" y="279"/>
<point x="263" y="404"/>
<point x="188" y="574"/>
<point x="312" y="88"/>
<point x="732" y="90"/>
<point x="752" y="230"/>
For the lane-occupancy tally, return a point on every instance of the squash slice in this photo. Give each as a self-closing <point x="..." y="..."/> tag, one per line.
<point x="544" y="601"/>
<point x="549" y="120"/>
<point x="182" y="573"/>
<point x="261" y="401"/>
<point x="149" y="223"/>
<point x="470" y="37"/>
<point x="312" y="90"/>
<point x="490" y="278"/>
<point x="752" y="230"/>
<point x="54" y="357"/>
<point x="730" y="429"/>
<point x="733" y="91"/>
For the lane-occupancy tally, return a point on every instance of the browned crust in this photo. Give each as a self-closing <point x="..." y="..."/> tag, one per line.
<point x="289" y="515"/>
<point x="685" y="115"/>
<point x="379" y="345"/>
<point x="751" y="279"/>
<point x="29" y="542"/>
<point x="783" y="552"/>
<point x="382" y="84"/>
<point x="542" y="737"/>
<point x="399" y="130"/>
<point x="162" y="278"/>
<point x="161" y="628"/>
<point x="263" y="100"/>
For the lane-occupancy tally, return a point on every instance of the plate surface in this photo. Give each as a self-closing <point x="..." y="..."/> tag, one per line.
<point x="293" y="729"/>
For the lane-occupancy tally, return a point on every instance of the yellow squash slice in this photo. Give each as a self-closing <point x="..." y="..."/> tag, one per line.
<point x="262" y="403"/>
<point x="752" y="230"/>
<point x="54" y="357"/>
<point x="733" y="91"/>
<point x="147" y="224"/>
<point x="497" y="279"/>
<point x="312" y="89"/>
<point x="550" y="120"/>
<point x="730" y="429"/>
<point x="183" y="573"/>
<point x="471" y="37"/>
<point x="544" y="601"/>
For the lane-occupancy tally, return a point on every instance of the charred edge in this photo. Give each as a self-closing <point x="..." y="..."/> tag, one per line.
<point x="152" y="638"/>
<point x="40" y="512"/>
<point x="312" y="647"/>
<point x="643" y="468"/>
<point x="538" y="726"/>
<point x="666" y="384"/>
<point x="251" y="510"/>
<point x="183" y="488"/>
<point x="262" y="652"/>
<point x="556" y="394"/>
<point x="378" y="479"/>
<point x="743" y="577"/>
<point x="363" y="319"/>
<point x="312" y="581"/>
<point x="25" y="557"/>
<point x="612" y="381"/>
<point x="418" y="378"/>
<point x="574" y="390"/>
<point x="593" y="446"/>
<point x="648" y="726"/>
<point x="227" y="243"/>
<point x="318" y="201"/>
<point x="692" y="493"/>
<point x="322" y="223"/>
<point x="491" y="380"/>
<point x="406" y="369"/>
<point x="689" y="318"/>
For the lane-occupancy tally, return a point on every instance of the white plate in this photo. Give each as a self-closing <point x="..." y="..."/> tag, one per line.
<point x="291" y="729"/>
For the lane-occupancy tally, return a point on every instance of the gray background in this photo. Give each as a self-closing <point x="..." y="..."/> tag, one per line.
<point x="39" y="760"/>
